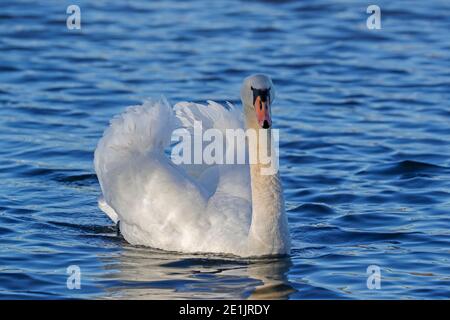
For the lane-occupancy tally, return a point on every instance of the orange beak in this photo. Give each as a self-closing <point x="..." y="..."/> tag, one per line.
<point x="262" y="109"/>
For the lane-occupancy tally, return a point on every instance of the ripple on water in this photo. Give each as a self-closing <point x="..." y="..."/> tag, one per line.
<point x="406" y="169"/>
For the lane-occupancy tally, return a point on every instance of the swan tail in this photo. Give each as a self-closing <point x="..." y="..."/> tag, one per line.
<point x="110" y="212"/>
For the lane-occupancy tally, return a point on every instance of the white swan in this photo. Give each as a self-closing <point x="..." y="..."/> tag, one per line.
<point x="226" y="209"/>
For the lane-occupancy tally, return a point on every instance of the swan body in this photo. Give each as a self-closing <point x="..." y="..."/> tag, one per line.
<point x="221" y="208"/>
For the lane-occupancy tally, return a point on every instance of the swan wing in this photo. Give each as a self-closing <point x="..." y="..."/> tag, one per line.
<point x="210" y="116"/>
<point x="160" y="204"/>
<point x="139" y="182"/>
<point x="229" y="205"/>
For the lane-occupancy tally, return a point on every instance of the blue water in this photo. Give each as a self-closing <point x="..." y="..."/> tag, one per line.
<point x="365" y="155"/>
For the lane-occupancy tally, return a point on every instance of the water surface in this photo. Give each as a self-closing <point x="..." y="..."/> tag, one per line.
<point x="365" y="156"/>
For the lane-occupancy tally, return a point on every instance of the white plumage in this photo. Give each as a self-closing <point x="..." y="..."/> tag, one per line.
<point x="205" y="208"/>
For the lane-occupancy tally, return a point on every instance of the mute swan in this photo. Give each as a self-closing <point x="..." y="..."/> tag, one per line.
<point x="223" y="209"/>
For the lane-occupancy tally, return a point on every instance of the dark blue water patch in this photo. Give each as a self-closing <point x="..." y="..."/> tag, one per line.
<point x="309" y="292"/>
<point x="329" y="234"/>
<point x="334" y="198"/>
<point x="314" y="208"/>
<point x="18" y="280"/>
<point x="5" y="231"/>
<point x="300" y="191"/>
<point x="90" y="229"/>
<point x="406" y="169"/>
<point x="438" y="158"/>
<point x="82" y="179"/>
<point x="372" y="220"/>
<point x="201" y="262"/>
<point x="34" y="171"/>
<point x="385" y="197"/>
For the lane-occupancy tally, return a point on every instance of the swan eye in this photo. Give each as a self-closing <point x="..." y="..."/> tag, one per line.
<point x="264" y="94"/>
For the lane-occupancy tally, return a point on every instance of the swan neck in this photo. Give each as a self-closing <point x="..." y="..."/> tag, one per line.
<point x="269" y="232"/>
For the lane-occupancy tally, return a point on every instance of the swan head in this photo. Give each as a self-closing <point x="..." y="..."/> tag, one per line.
<point x="257" y="95"/>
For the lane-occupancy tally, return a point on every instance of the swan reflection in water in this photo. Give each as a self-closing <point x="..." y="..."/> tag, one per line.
<point x="143" y="273"/>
